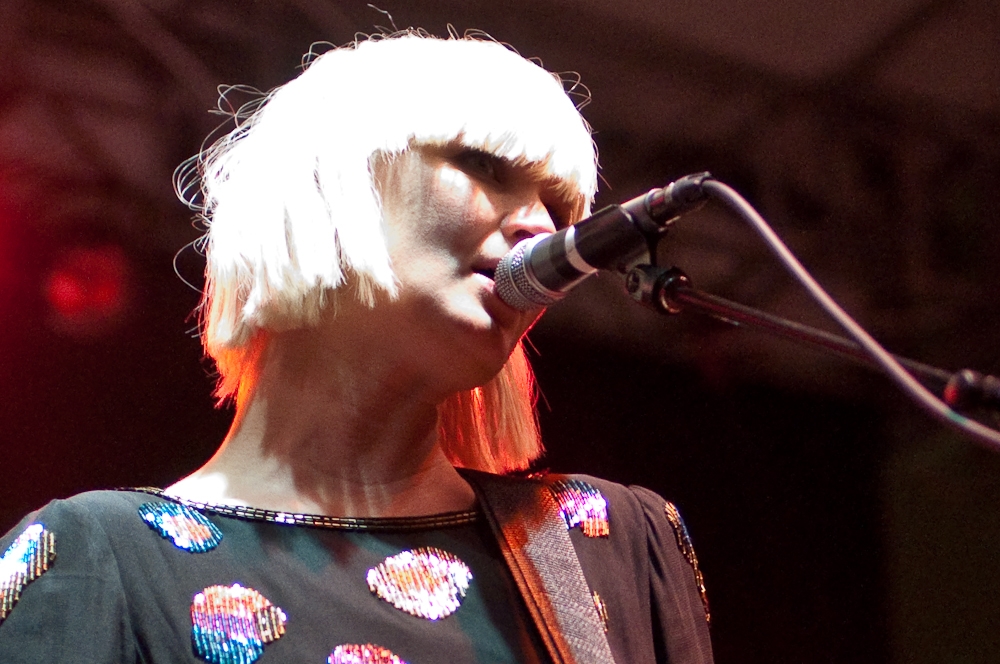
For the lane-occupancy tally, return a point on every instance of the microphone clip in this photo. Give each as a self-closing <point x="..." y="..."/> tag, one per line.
<point x="664" y="206"/>
<point x="655" y="287"/>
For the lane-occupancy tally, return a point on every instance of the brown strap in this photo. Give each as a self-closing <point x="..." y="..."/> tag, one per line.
<point x="534" y="540"/>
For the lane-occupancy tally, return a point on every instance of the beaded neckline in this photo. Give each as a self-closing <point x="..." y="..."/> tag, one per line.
<point x="374" y="524"/>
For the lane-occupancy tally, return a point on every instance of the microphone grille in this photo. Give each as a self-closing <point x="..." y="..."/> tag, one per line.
<point x="513" y="284"/>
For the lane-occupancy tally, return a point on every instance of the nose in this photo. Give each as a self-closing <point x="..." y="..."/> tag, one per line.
<point x="526" y="220"/>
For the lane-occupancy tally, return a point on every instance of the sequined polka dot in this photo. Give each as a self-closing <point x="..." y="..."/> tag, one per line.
<point x="231" y="624"/>
<point x="687" y="549"/>
<point x="187" y="528"/>
<point x="26" y="559"/>
<point x="351" y="653"/>
<point x="582" y="505"/>
<point x="426" y="582"/>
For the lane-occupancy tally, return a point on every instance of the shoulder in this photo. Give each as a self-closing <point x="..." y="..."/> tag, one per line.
<point x="84" y="513"/>
<point x="60" y="580"/>
<point x="85" y="535"/>
<point x="593" y="503"/>
<point x="636" y="497"/>
<point x="631" y="519"/>
<point x="82" y="510"/>
<point x="637" y="528"/>
<point x="640" y="517"/>
<point x="633" y="507"/>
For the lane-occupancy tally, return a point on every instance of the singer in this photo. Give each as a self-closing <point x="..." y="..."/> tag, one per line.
<point x="362" y="508"/>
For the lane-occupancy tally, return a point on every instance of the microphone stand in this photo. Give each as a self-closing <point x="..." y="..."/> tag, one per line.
<point x="612" y="237"/>
<point x="668" y="291"/>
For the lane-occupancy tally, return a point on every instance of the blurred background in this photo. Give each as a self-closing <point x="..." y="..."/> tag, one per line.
<point x="834" y="522"/>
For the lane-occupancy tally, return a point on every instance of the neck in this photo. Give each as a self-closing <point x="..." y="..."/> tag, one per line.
<point x="333" y="432"/>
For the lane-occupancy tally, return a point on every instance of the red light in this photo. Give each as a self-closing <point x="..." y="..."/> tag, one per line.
<point x="87" y="288"/>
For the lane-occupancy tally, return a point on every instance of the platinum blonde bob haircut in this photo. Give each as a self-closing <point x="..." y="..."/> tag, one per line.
<point x="294" y="213"/>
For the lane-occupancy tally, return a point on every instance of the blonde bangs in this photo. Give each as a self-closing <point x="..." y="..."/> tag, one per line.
<point x="504" y="105"/>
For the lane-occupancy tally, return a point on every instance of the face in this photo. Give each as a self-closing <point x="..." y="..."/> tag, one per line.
<point x="451" y="213"/>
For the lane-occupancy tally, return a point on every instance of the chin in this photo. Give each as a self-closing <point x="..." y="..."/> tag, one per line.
<point x="481" y="362"/>
<point x="478" y="344"/>
<point x="486" y="362"/>
<point x="494" y="328"/>
<point x="480" y="376"/>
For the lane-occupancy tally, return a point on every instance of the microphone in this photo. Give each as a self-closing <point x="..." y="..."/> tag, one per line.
<point x="540" y="270"/>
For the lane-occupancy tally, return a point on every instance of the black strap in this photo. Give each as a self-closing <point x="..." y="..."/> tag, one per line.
<point x="533" y="538"/>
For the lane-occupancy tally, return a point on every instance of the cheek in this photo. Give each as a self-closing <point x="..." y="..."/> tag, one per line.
<point x="453" y="204"/>
<point x="437" y="218"/>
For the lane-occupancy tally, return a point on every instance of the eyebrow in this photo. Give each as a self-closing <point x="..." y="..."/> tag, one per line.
<point x="564" y="196"/>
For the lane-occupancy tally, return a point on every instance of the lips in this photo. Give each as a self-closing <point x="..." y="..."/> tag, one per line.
<point x="486" y="268"/>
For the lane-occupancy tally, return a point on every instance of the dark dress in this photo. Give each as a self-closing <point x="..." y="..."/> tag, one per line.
<point x="133" y="576"/>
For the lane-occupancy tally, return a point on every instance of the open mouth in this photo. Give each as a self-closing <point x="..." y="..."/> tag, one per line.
<point x="487" y="268"/>
<point x="486" y="272"/>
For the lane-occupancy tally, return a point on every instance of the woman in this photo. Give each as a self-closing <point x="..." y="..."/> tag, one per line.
<point x="355" y="221"/>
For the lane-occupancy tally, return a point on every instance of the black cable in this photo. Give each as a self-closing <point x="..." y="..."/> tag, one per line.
<point x="938" y="409"/>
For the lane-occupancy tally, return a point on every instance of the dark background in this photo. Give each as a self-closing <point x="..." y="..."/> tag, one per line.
<point x="833" y="521"/>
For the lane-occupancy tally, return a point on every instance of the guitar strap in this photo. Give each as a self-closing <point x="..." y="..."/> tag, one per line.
<point x="534" y="541"/>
